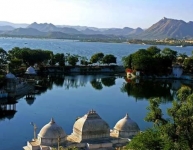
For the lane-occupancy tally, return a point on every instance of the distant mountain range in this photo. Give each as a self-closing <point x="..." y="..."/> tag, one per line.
<point x="165" y="28"/>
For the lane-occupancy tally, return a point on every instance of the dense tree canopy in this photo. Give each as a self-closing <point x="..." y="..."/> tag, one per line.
<point x="151" y="60"/>
<point x="153" y="50"/>
<point x="175" y="132"/>
<point x="142" y="60"/>
<point x="107" y="59"/>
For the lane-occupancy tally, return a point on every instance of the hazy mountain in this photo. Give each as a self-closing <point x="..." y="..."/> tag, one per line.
<point x="24" y="32"/>
<point x="168" y="28"/>
<point x="6" y="28"/>
<point x="90" y="31"/>
<point x="136" y="31"/>
<point x="165" y="28"/>
<point x="14" y="25"/>
<point x="118" y="31"/>
<point x="68" y="30"/>
<point x="45" y="27"/>
<point x="81" y="28"/>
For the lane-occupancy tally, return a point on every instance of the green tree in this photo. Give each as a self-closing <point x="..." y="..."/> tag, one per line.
<point x="188" y="64"/>
<point x="142" y="60"/>
<point x="169" y="56"/>
<point x="147" y="140"/>
<point x="175" y="132"/>
<point x="107" y="59"/>
<point x="3" y="56"/>
<point x="153" y="50"/>
<point x="97" y="58"/>
<point x="72" y="60"/>
<point x="59" y="58"/>
<point x="84" y="60"/>
<point x="127" y="61"/>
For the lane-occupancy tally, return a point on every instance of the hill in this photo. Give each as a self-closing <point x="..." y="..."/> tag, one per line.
<point x="169" y="28"/>
<point x="164" y="28"/>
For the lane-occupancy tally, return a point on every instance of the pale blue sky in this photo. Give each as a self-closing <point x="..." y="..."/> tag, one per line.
<point x="95" y="13"/>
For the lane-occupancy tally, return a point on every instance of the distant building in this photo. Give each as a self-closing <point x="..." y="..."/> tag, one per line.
<point x="30" y="71"/>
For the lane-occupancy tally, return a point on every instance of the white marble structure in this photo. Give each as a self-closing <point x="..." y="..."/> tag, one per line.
<point x="90" y="126"/>
<point x="89" y="132"/>
<point x="31" y="71"/>
<point x="49" y="136"/>
<point x="125" y="128"/>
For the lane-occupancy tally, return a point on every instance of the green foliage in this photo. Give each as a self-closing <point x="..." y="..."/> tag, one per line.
<point x="142" y="60"/>
<point x="16" y="63"/>
<point x="107" y="59"/>
<point x="153" y="50"/>
<point x="175" y="132"/>
<point x="3" y="56"/>
<point x="29" y="56"/>
<point x="59" y="58"/>
<point x="127" y="61"/>
<point x="97" y="58"/>
<point x="147" y="140"/>
<point x="84" y="61"/>
<point x="72" y="60"/>
<point x="188" y="64"/>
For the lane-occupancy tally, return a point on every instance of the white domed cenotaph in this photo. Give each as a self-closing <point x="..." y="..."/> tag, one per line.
<point x="90" y="126"/>
<point x="125" y="128"/>
<point x="50" y="133"/>
<point x="30" y="70"/>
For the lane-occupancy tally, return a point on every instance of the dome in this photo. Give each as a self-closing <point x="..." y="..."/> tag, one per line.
<point x="126" y="127"/>
<point x="91" y="126"/>
<point x="10" y="76"/>
<point x="50" y="133"/>
<point x="30" y="70"/>
<point x="126" y="124"/>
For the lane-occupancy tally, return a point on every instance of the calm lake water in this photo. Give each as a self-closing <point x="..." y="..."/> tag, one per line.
<point x="67" y="97"/>
<point x="82" y="48"/>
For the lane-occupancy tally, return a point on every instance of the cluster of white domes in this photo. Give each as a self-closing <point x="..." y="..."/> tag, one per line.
<point x="90" y="126"/>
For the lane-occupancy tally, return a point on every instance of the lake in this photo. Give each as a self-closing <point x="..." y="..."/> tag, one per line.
<point x="67" y="97"/>
<point x="82" y="48"/>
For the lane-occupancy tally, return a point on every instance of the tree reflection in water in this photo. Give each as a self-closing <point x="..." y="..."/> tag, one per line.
<point x="146" y="89"/>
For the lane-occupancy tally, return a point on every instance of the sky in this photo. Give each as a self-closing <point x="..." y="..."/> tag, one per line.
<point x="95" y="13"/>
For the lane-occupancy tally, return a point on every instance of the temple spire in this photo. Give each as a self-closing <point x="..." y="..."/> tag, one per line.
<point x="127" y="116"/>
<point x="52" y="120"/>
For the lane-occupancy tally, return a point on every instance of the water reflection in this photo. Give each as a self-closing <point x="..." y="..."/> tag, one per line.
<point x="7" y="108"/>
<point x="145" y="89"/>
